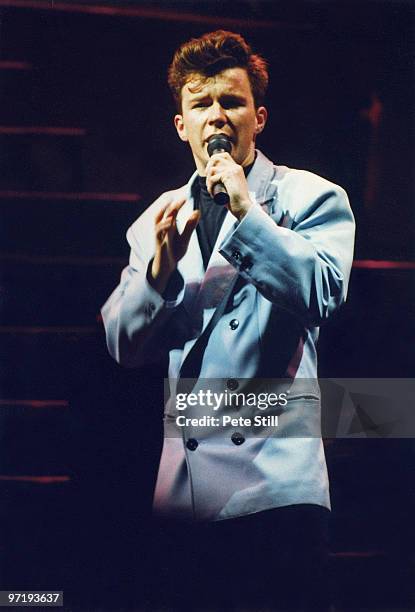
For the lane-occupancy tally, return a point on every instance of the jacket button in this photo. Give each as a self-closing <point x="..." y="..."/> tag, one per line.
<point x="237" y="438"/>
<point x="234" y="324"/>
<point x="246" y="263"/>
<point x="192" y="444"/>
<point x="232" y="384"/>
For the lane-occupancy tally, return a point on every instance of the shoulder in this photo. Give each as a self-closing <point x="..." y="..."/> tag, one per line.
<point x="305" y="182"/>
<point x="301" y="191"/>
<point x="293" y="187"/>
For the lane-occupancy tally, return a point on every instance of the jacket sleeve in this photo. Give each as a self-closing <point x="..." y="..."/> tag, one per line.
<point x="303" y="264"/>
<point x="135" y="315"/>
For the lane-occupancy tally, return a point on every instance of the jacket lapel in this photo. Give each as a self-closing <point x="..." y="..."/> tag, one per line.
<point x="219" y="273"/>
<point x="191" y="265"/>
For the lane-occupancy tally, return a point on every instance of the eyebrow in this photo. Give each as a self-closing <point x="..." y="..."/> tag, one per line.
<point x="197" y="98"/>
<point x="232" y="97"/>
<point x="224" y="97"/>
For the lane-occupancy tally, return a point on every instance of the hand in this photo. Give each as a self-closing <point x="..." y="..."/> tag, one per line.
<point x="221" y="168"/>
<point x="170" y="245"/>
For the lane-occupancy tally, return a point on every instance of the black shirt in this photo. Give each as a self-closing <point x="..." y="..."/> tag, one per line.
<point x="212" y="216"/>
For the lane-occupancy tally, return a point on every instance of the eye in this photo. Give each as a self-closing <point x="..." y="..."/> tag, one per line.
<point x="231" y="102"/>
<point x="200" y="104"/>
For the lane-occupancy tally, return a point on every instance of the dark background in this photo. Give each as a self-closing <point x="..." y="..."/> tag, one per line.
<point x="80" y="437"/>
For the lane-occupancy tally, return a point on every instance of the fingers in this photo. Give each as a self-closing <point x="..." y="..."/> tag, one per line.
<point x="191" y="223"/>
<point x="166" y="229"/>
<point x="169" y="209"/>
<point x="219" y="168"/>
<point x="162" y="227"/>
<point x="180" y="242"/>
<point x="219" y="159"/>
<point x="165" y="220"/>
<point x="214" y="177"/>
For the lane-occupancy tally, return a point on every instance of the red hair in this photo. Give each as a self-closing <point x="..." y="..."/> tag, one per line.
<point x="212" y="53"/>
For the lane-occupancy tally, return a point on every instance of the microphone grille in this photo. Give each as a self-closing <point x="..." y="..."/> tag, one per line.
<point x="219" y="142"/>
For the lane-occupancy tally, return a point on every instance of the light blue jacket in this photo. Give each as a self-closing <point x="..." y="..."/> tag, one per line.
<point x="294" y="251"/>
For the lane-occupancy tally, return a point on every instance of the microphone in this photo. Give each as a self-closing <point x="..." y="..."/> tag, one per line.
<point x="219" y="143"/>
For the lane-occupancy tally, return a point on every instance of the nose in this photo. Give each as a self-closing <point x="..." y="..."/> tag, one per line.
<point x="217" y="115"/>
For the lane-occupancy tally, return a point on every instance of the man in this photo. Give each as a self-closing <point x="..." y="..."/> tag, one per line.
<point x="233" y="294"/>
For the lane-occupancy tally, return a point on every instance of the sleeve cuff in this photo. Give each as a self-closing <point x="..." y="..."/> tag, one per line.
<point x="173" y="294"/>
<point x="237" y="246"/>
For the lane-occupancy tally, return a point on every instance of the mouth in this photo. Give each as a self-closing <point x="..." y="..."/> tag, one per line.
<point x="230" y="138"/>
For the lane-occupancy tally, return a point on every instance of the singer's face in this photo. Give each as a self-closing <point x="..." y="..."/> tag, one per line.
<point x="222" y="103"/>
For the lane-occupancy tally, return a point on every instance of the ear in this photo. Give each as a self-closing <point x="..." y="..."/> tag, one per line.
<point x="261" y="118"/>
<point x="180" y="127"/>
